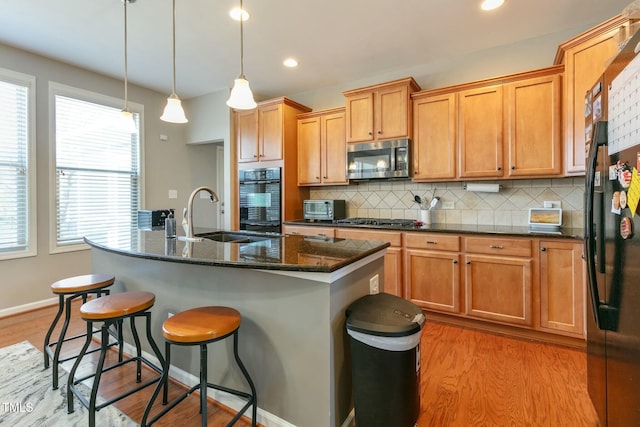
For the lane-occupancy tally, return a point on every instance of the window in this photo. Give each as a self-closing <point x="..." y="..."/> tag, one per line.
<point x="17" y="165"/>
<point x="97" y="170"/>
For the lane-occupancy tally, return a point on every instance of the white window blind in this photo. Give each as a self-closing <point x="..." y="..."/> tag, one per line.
<point x="97" y="173"/>
<point x="17" y="171"/>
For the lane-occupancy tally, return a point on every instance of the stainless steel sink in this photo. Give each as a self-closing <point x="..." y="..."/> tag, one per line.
<point x="233" y="237"/>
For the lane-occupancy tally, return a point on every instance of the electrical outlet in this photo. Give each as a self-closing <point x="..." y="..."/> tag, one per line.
<point x="374" y="285"/>
<point x="447" y="204"/>
<point x="173" y="194"/>
<point x="552" y="204"/>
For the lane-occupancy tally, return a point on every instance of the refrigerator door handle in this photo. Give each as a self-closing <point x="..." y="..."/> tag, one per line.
<point x="590" y="231"/>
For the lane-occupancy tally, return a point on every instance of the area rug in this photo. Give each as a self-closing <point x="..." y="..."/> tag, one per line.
<point x="26" y="397"/>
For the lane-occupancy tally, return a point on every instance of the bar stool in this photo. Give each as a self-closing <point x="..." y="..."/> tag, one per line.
<point x="201" y="326"/>
<point x="68" y="290"/>
<point x="111" y="310"/>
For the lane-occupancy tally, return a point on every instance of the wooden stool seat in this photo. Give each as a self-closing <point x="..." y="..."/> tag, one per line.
<point x="117" y="305"/>
<point x="202" y="324"/>
<point x="89" y="282"/>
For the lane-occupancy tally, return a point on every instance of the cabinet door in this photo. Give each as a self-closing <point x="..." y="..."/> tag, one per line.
<point x="270" y="132"/>
<point x="309" y="135"/>
<point x="334" y="153"/>
<point x="435" y="146"/>
<point x="584" y="64"/>
<point x="481" y="132"/>
<point x="498" y="289"/>
<point x="359" y="115"/>
<point x="393" y="271"/>
<point x="247" y="135"/>
<point x="561" y="286"/>
<point x="534" y="126"/>
<point x="391" y="113"/>
<point x="433" y="280"/>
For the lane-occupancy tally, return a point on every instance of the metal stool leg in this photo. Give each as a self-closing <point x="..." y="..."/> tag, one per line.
<point x="203" y="384"/>
<point x="253" y="400"/>
<point x="72" y="374"/>
<point x="47" y="337"/>
<point x="96" y="380"/>
<point x="136" y="339"/>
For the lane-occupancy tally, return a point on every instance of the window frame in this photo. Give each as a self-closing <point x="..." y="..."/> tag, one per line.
<point x="60" y="89"/>
<point x="28" y="81"/>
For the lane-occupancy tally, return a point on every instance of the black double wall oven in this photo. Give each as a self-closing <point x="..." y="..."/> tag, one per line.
<point x="260" y="200"/>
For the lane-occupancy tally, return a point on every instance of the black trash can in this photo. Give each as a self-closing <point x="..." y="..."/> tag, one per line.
<point x="385" y="358"/>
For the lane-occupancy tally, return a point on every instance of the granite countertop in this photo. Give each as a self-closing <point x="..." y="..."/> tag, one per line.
<point x="290" y="253"/>
<point x="562" y="233"/>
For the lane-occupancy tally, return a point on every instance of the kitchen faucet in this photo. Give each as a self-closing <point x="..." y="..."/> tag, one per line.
<point x="187" y="213"/>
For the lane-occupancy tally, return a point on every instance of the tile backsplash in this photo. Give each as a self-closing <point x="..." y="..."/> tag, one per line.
<point x="510" y="206"/>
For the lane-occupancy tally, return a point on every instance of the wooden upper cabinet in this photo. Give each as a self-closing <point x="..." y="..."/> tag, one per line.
<point x="261" y="133"/>
<point x="534" y="126"/>
<point x="435" y="146"/>
<point x="247" y="135"/>
<point x="585" y="58"/>
<point x="481" y="132"/>
<point x="322" y="153"/>
<point x="380" y="112"/>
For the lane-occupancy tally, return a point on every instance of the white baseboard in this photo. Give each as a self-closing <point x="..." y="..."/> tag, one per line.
<point x="27" y="307"/>
<point x="265" y="418"/>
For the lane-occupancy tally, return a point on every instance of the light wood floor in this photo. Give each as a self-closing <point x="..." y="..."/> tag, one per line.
<point x="469" y="378"/>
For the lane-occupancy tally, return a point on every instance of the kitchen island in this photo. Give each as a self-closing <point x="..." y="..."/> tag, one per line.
<point x="292" y="292"/>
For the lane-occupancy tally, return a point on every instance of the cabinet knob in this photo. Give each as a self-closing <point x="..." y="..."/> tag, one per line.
<point x="499" y="168"/>
<point x="455" y="261"/>
<point x="324" y="177"/>
<point x="543" y="249"/>
<point x="379" y="132"/>
<point x="254" y="156"/>
<point x="370" y="133"/>
<point x="415" y="172"/>
<point x="513" y="168"/>
<point x="317" y="177"/>
<point x="468" y="262"/>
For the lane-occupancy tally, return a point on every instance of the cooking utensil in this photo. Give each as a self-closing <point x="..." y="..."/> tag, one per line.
<point x="416" y="198"/>
<point x="434" y="202"/>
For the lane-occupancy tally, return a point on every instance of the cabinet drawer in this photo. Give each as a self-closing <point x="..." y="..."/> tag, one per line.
<point x="395" y="238"/>
<point x="433" y="241"/>
<point x="308" y="230"/>
<point x="498" y="246"/>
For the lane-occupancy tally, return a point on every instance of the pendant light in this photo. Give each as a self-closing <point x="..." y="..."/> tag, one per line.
<point x="173" y="112"/>
<point x="126" y="117"/>
<point x="241" y="97"/>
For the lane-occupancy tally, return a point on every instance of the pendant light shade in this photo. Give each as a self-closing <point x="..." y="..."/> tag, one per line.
<point x="173" y="111"/>
<point x="241" y="97"/>
<point x="127" y="123"/>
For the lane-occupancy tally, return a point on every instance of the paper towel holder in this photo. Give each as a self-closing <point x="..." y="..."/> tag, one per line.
<point x="482" y="187"/>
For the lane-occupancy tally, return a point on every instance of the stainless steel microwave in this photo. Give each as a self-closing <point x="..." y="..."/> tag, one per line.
<point x="385" y="159"/>
<point x="324" y="210"/>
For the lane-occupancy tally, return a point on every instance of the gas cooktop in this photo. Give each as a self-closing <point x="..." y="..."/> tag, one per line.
<point x="377" y="221"/>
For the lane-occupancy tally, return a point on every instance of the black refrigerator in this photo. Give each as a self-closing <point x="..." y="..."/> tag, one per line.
<point x="612" y="248"/>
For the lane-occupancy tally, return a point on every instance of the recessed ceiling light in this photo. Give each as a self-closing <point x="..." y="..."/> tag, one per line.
<point x="491" y="4"/>
<point x="290" y="62"/>
<point x="236" y="12"/>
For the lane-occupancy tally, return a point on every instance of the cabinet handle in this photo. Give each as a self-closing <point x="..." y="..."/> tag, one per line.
<point x="496" y="246"/>
<point x="513" y="168"/>
<point x="499" y="168"/>
<point x="322" y="234"/>
<point x="294" y="232"/>
<point x="543" y="249"/>
<point x="468" y="262"/>
<point x="432" y="242"/>
<point x="455" y="261"/>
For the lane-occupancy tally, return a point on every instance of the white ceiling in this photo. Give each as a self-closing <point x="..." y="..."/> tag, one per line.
<point x="335" y="41"/>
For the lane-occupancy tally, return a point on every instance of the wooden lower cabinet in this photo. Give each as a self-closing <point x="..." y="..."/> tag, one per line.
<point x="561" y="286"/>
<point x="433" y="280"/>
<point x="499" y="289"/>
<point x="392" y="259"/>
